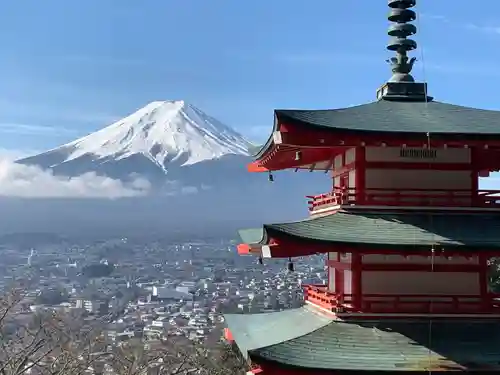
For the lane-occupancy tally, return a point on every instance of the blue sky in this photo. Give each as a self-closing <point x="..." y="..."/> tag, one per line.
<point x="71" y="67"/>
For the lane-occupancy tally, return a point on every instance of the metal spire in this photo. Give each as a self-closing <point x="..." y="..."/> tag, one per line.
<point x="399" y="32"/>
<point x="402" y="86"/>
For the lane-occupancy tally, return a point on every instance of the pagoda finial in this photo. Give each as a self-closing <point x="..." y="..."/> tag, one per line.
<point x="399" y="32"/>
<point x="402" y="86"/>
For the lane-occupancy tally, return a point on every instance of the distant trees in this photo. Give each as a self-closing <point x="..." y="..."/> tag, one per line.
<point x="494" y="274"/>
<point x="52" y="343"/>
<point x="98" y="270"/>
<point x="52" y="296"/>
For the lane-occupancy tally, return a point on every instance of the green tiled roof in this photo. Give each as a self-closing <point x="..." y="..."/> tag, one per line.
<point x="398" y="345"/>
<point x="253" y="236"/>
<point x="404" y="118"/>
<point x="401" y="117"/>
<point x="304" y="337"/>
<point x="386" y="229"/>
<point x="257" y="330"/>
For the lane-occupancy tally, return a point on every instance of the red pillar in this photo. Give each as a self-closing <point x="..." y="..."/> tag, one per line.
<point x="483" y="281"/>
<point x="360" y="174"/>
<point x="356" y="280"/>
<point x="474" y="175"/>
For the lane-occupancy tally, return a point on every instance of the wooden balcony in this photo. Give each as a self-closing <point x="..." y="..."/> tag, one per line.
<point x="401" y="304"/>
<point x="404" y="197"/>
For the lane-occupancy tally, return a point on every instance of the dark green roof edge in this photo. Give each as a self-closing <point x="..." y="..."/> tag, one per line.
<point x="252" y="331"/>
<point x="404" y="135"/>
<point x="259" y="151"/>
<point x="392" y="345"/>
<point x="439" y="116"/>
<point x="400" y="119"/>
<point x="254" y="150"/>
<point x="389" y="230"/>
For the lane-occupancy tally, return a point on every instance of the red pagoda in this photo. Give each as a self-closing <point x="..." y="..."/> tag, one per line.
<point x="407" y="233"/>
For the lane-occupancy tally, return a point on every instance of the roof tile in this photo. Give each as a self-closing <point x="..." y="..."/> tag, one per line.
<point x="383" y="228"/>
<point x="393" y="345"/>
<point x="401" y="117"/>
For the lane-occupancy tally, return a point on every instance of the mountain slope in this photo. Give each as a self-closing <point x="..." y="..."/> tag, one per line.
<point x="178" y="149"/>
<point x="154" y="141"/>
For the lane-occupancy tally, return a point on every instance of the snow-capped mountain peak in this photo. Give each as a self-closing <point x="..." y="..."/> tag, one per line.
<point x="164" y="132"/>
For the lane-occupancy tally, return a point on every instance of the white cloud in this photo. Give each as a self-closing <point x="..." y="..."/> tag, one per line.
<point x="435" y="17"/>
<point x="31" y="129"/>
<point x="50" y="113"/>
<point x="185" y="190"/>
<point x="18" y="180"/>
<point x="483" y="29"/>
<point x="173" y="187"/>
<point x="488" y="29"/>
<point x="13" y="154"/>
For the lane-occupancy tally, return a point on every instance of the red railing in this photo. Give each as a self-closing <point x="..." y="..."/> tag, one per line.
<point x="405" y="303"/>
<point x="405" y="197"/>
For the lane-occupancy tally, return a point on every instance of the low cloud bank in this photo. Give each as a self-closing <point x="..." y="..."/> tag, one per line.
<point x="17" y="180"/>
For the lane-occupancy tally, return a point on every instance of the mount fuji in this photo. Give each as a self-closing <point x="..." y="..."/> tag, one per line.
<point x="195" y="164"/>
<point x="165" y="140"/>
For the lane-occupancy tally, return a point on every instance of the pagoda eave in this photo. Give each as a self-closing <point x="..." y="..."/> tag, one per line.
<point x="301" y="136"/>
<point x="305" y="339"/>
<point x="385" y="120"/>
<point x="319" y="151"/>
<point x="390" y="123"/>
<point x="282" y="157"/>
<point x="253" y="249"/>
<point x="276" y="251"/>
<point x="389" y="232"/>
<point x="256" y="167"/>
<point x="307" y="248"/>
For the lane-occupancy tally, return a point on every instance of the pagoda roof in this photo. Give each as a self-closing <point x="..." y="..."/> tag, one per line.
<point x="401" y="116"/>
<point x="407" y="119"/>
<point x="252" y="331"/>
<point x="320" y="342"/>
<point x="387" y="229"/>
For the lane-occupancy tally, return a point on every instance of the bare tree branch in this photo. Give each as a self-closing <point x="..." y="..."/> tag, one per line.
<point x="52" y="343"/>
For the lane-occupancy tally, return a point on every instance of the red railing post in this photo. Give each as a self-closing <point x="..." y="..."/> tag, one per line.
<point x="404" y="197"/>
<point x="409" y="303"/>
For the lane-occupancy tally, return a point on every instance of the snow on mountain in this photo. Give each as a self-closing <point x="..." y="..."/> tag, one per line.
<point x="163" y="132"/>
<point x="195" y="165"/>
<point x="163" y="135"/>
